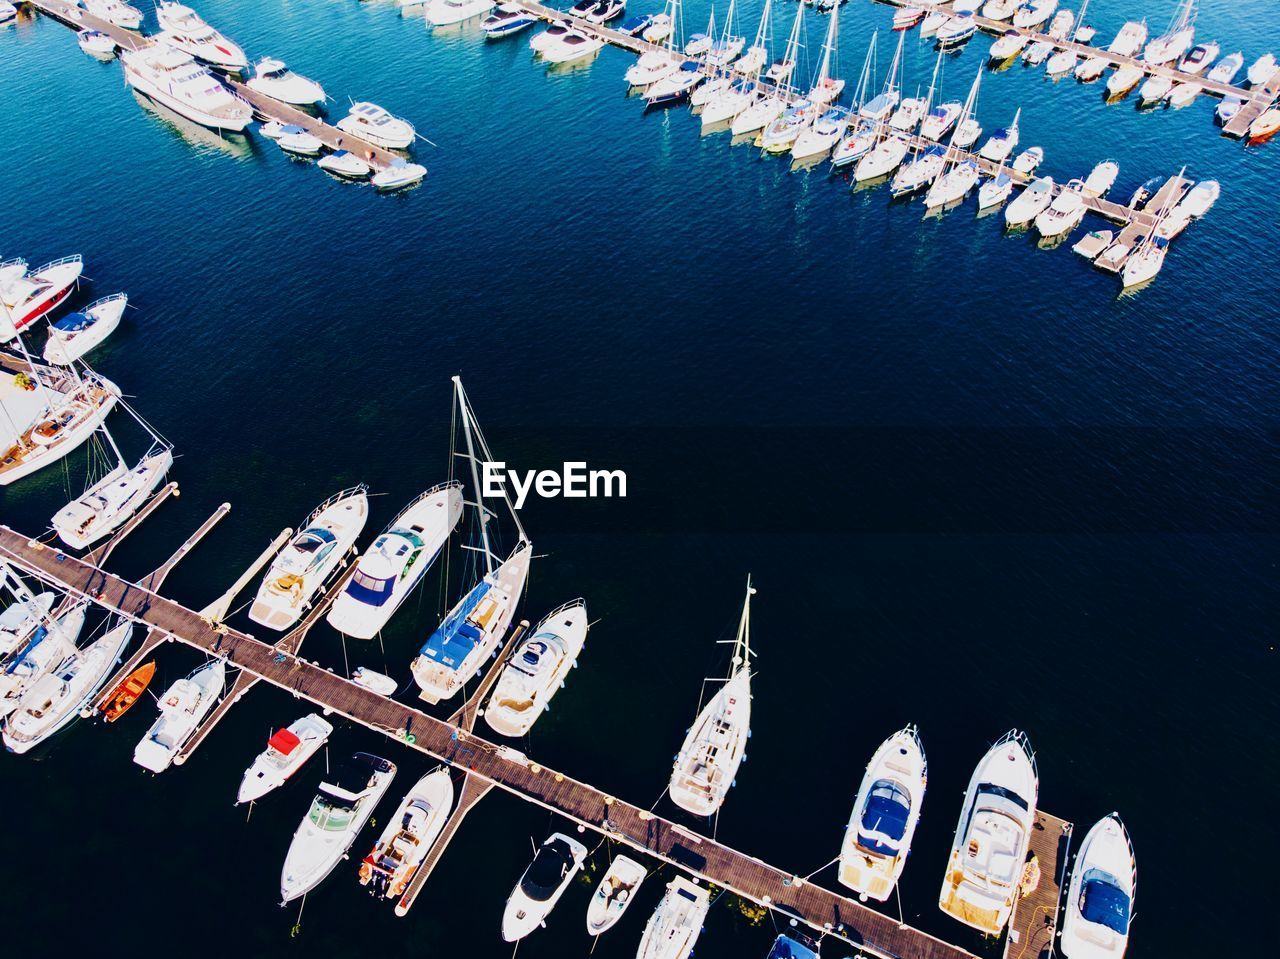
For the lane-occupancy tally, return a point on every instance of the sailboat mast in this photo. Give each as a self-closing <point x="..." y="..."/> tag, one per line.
<point x="464" y="410"/>
<point x="828" y="48"/>
<point x="742" y="645"/>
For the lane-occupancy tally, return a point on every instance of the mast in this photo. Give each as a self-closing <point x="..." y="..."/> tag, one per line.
<point x="953" y="151"/>
<point x="828" y="50"/>
<point x="864" y="78"/>
<point x="742" y="642"/>
<point x="51" y="626"/>
<point x="791" y="56"/>
<point x="1080" y="20"/>
<point x="463" y="408"/>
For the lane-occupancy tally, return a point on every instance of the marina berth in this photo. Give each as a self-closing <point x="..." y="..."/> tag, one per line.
<point x="616" y="891"/>
<point x="287" y="751"/>
<point x="76" y="334"/>
<point x="673" y="929"/>
<point x="182" y="29"/>
<point x="409" y="835"/>
<point x="536" y="670"/>
<point x="371" y="122"/>
<point x="172" y="78"/>
<point x="183" y="706"/>
<point x="1099" y="902"/>
<point x="274" y="79"/>
<point x="554" y="865"/>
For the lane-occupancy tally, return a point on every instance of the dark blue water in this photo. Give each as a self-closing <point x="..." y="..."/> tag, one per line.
<point x="975" y="487"/>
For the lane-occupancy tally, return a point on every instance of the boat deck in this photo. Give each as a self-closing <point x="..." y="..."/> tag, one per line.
<point x="1033" y="925"/>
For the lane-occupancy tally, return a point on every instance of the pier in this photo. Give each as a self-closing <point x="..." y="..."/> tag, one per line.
<point x="1033" y="925"/>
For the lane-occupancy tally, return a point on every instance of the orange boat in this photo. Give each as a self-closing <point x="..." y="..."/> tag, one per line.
<point x="128" y="692"/>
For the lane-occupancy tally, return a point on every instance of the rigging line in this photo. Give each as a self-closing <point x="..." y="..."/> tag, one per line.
<point x="902" y="922"/>
<point x="820" y="868"/>
<point x="346" y="663"/>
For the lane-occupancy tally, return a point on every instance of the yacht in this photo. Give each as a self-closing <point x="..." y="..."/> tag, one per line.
<point x="1101" y="178"/>
<point x="371" y="122"/>
<point x="995" y="191"/>
<point x="440" y="13"/>
<point x="339" y="811"/>
<point x="779" y="135"/>
<point x="923" y="169"/>
<point x="299" y="142"/>
<point x="985" y="870"/>
<point x="409" y="835"/>
<point x="1002" y="142"/>
<point x="660" y="27"/>
<point x="617" y="890"/>
<point x="1000" y="9"/>
<point x="652" y="66"/>
<point x="301" y="569"/>
<point x="605" y="10"/>
<point x="758" y="114"/>
<point x="715" y="745"/>
<point x="633" y="26"/>
<point x="881" y="160"/>
<point x="536" y="670"/>
<point x="115" y="12"/>
<point x="880" y="107"/>
<point x="554" y="865"/>
<point x="346" y="165"/>
<point x="1008" y="46"/>
<point x="1201" y="198"/>
<point x="1064" y="213"/>
<point x="673" y="929"/>
<point x="397" y="175"/>
<point x="1100" y="897"/>
<point x="1176" y="40"/>
<point x="793" y="945"/>
<point x="1145" y="262"/>
<point x="933" y="21"/>
<point x="877" y="840"/>
<point x="1226" y="69"/>
<point x="183" y="708"/>
<point x="1034" y="13"/>
<point x="904" y="18"/>
<point x="56" y="698"/>
<point x="910" y="112"/>
<point x="1266" y="125"/>
<point x="824" y="134"/>
<point x="108" y="503"/>
<point x="1183" y="94"/>
<point x="20" y="621"/>
<point x="1029" y="160"/>
<point x="1197" y="59"/>
<point x="1130" y="40"/>
<point x="174" y="80"/>
<point x="574" y="45"/>
<point x="957" y="30"/>
<point x="48" y="645"/>
<point x="56" y="422"/>
<point x="1123" y="80"/>
<point x="1030" y="203"/>
<point x="75" y="335"/>
<point x="968" y="130"/>
<point x="36" y="293"/>
<point x="1062" y="63"/>
<point x="394" y="565"/>
<point x="272" y="129"/>
<point x="676" y="86"/>
<point x="11" y="271"/>
<point x="940" y="120"/>
<point x="854" y="146"/>
<point x="506" y="19"/>
<point x="274" y="79"/>
<point x="1154" y="89"/>
<point x="1061" y="25"/>
<point x="1262" y="70"/>
<point x="726" y="105"/>
<point x="287" y="751"/>
<point x="953" y="185"/>
<point x="96" y="44"/>
<point x="182" y="29"/>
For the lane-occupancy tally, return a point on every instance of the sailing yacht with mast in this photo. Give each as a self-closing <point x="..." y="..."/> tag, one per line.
<point x="674" y="927"/>
<point x="34" y="640"/>
<point x="536" y="670"/>
<point x="714" y="747"/>
<point x="653" y="65"/>
<point x="472" y="630"/>
<point x="826" y="88"/>
<point x="744" y="90"/>
<point x="1175" y="41"/>
<point x="792" y="117"/>
<point x="959" y="175"/>
<point x="876" y="112"/>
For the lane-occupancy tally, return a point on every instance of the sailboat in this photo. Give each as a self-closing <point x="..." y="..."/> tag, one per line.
<point x="536" y="670"/>
<point x="183" y="707"/>
<point x="743" y="90"/>
<point x="653" y="65"/>
<point x="35" y="641"/>
<point x="673" y="929"/>
<point x="727" y="48"/>
<point x="1001" y="144"/>
<point x="826" y="87"/>
<point x="471" y="632"/>
<point x="20" y="619"/>
<point x="756" y="56"/>
<point x="721" y="52"/>
<point x="1147" y="260"/>
<point x="863" y="136"/>
<point x="828" y="129"/>
<point x="713" y="748"/>
<point x="782" y="131"/>
<point x="773" y="101"/>
<point x="1175" y="41"/>
<point x="959" y="173"/>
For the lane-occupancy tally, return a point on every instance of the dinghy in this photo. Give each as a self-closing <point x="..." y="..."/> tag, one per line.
<point x="380" y="683"/>
<point x="76" y="334"/>
<point x="615" y="893"/>
<point x="287" y="751"/>
<point x="124" y="696"/>
<point x="409" y="835"/>
<point x="183" y="706"/>
<point x="536" y="670"/>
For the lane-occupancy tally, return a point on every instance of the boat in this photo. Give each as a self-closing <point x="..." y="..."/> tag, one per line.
<point x="536" y="670"/>
<point x="1145" y="192"/>
<point x="7" y="11"/>
<point x="42" y="424"/>
<point x="1226" y="109"/>
<point x="115" y="12"/>
<point x="1266" y="124"/>
<point x="674" y="927"/>
<point x="442" y="13"/>
<point x="714" y="747"/>
<point x="21" y="619"/>
<point x="1064" y="213"/>
<point x="344" y="164"/>
<point x="605" y="10"/>
<point x="1131" y="38"/>
<point x="1145" y="261"/>
<point x="338" y="812"/>
<point x="32" y="294"/>
<point x="911" y="110"/>
<point x="301" y="569"/>
<point x="1099" y="905"/>
<point x="506" y="19"/>
<point x="780" y="71"/>
<point x="1061" y="25"/>
<point x="957" y="30"/>
<point x="904" y="18"/>
<point x="1002" y="142"/>
<point x="856" y="145"/>
<point x="123" y="697"/>
<point x="173" y="79"/>
<point x="824" y="133"/>
<point x="1028" y="204"/>
<point x="1034" y="13"/>
<point x="390" y="569"/>
<point x="77" y="333"/>
<point x="886" y="810"/>
<point x="56" y="698"/>
<point x="397" y="175"/>
<point x="371" y="122"/>
<point x="287" y="751"/>
<point x="881" y="160"/>
<point x="699" y="44"/>
<point x="182" y="29"/>
<point x="779" y="135"/>
<point x="967" y="132"/>
<point x="1196" y="60"/>
<point x="1175" y="41"/>
<point x="272" y="78"/>
<point x="380" y="683"/>
<point x="1091" y="68"/>
<point x="1000" y="9"/>
<point x="51" y="643"/>
<point x="660" y="27"/>
<point x="793" y="945"/>
<point x="1101" y="178"/>
<point x="940" y="120"/>
<point x="582" y="8"/>
<point x="826" y="86"/>
<point x="1092" y="244"/>
<point x="1226" y="69"/>
<point x="952" y="185"/>
<point x="726" y="105"/>
<point x="652" y="66"/>
<point x="616" y="891"/>
<point x="96" y="44"/>
<point x="554" y="865"/>
<point x="1008" y="45"/>
<point x="12" y="270"/>
<point x="1183" y="94"/>
<point x="675" y="86"/>
<point x="572" y="45"/>
<point x="409" y="835"/>
<point x="632" y="26"/>
<point x="298" y="141"/>
<point x="113" y="499"/>
<point x="183" y="708"/>
<point x="1123" y="80"/>
<point x="1037" y="53"/>
<point x="1201" y="198"/>
<point x="272" y="129"/>
<point x="1262" y="70"/>
<point x="1155" y="88"/>
<point x="994" y="191"/>
<point x="933" y="22"/>
<point x="984" y="873"/>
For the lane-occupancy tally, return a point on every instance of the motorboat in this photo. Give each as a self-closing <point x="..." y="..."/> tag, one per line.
<point x="985" y="871"/>
<point x="822" y="135"/>
<point x="1227" y="109"/>
<point x="1061" y="24"/>
<point x="886" y="810"/>
<point x="58" y="424"/>
<point x="183" y="707"/>
<point x="115" y="12"/>
<point x="953" y="185"/>
<point x="957" y="30"/>
<point x="659" y="28"/>
<point x="1029" y="204"/>
<point x="1037" y="53"/>
<point x="409" y="835"/>
<point x="793" y="945"/>
<point x="904" y="18"/>
<point x="675" y="86"/>
<point x="1123" y="80"/>
<point x="1225" y="70"/>
<point x="1145" y="262"/>
<point x="1155" y="88"/>
<point x="923" y="169"/>
<point x="272" y="129"/>
<point x="442" y="13"/>
<point x="287" y="751"/>
<point x="940" y="120"/>
<point x="632" y="26"/>
<point x="1175" y="41"/>
<point x="1183" y="94"/>
<point x="554" y="865"/>
<point x="1099" y="906"/>
<point x="394" y="565"/>
<point x="881" y="160"/>
<point x="859" y="141"/>
<point x="572" y="45"/>
<point x="582" y="8"/>
<point x="173" y="79"/>
<point x="76" y="334"/>
<point x="1034" y="13"/>
<point x="967" y="133"/>
<point x="12" y="270"/>
<point x="506" y="19"/>
<point x="1091" y="68"/>
<point x="994" y="191"/>
<point x="397" y="175"/>
<point x="1201" y="198"/>
<point x="933" y="22"/>
<point x="547" y="36"/>
<point x="7" y="11"/>
<point x="301" y="569"/>
<point x="298" y="141"/>
<point x="1262" y="70"/>
<point x="1093" y="243"/>
<point x="272" y="78"/>
<point x="126" y="695"/>
<point x="1130" y="40"/>
<point x="1000" y="9"/>
<point x="536" y="670"/>
<point x="108" y="503"/>
<point x="1008" y="45"/>
<point x="911" y="110"/>
<point x="605" y="10"/>
<point x="1064" y="213"/>
<point x="1101" y="178"/>
<point x="379" y="683"/>
<point x="182" y="29"/>
<point x="1266" y="124"/>
<point x="371" y="122"/>
<point x="711" y="88"/>
<point x="20" y="621"/>
<point x="1062" y="63"/>
<point x="674" y="927"/>
<point x="345" y="164"/>
<point x="1196" y="60"/>
<point x="652" y="66"/>
<point x="56" y="698"/>
<point x="1145" y="192"/>
<point x="35" y="293"/>
<point x="616" y="891"/>
<point x="338" y="812"/>
<point x="48" y="645"/>
<point x="779" y="135"/>
<point x="96" y="44"/>
<point x="1001" y="144"/>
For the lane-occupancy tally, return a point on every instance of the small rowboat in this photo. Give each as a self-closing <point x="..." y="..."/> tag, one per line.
<point x="128" y="692"/>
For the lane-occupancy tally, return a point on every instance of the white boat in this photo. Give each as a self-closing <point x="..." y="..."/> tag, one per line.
<point x="397" y="175"/>
<point x="957" y="30"/>
<point x="344" y="164"/>
<point x="55" y="699"/>
<point x="506" y="19"/>
<point x="881" y="160"/>
<point x="302" y="568"/>
<point x="1183" y="94"/>
<point x="780" y="71"/>
<point x="985" y="871"/>
<point x="173" y="79"/>
<point x="676" y="86"/>
<point x="673" y="929"/>
<point x="371" y="122"/>
<point x="409" y="835"/>
<point x="1037" y="53"/>
<point x="1123" y="80"/>
<point x="953" y="185"/>
<point x="933" y="21"/>
<point x="183" y="706"/>
<point x="96" y="44"/>
<point x="925" y="167"/>
<point x="779" y="135"/>
<point x="712" y="88"/>
<point x="287" y="751"/>
<point x="1227" y="109"/>
<point x="272" y="129"/>
<point x="31" y="294"/>
<point x="21" y="619"/>
<point x="822" y="135"/>
<point x="1262" y="70"/>
<point x="1130" y="40"/>
<point x="47" y="646"/>
<point x="878" y="837"/>
<point x="115" y="12"/>
<point x="394" y="565"/>
<point x="1000" y="9"/>
<point x="966" y="134"/>
<point x="1176" y="40"/>
<point x="572" y="45"/>
<point x="11" y="271"/>
<point x="1061" y="63"/>
<point x="1061" y="24"/>
<point x="1155" y="88"/>
<point x="339" y="811"/>
<point x="994" y="191"/>
<point x="714" y="747"/>
<point x="616" y="891"/>
<point x="659" y="28"/>
<point x="827" y="87"/>
<point x="940" y="120"/>
<point x="441" y="13"/>
<point x="298" y="141"/>
<point x="911" y="110"/>
<point x="7" y="11"/>
<point x="554" y="865"/>
<point x="1201" y="198"/>
<point x="42" y="425"/>
<point x="1099" y="906"/>
<point x="1028" y="204"/>
<point x="1225" y="70"/>
<point x="1267" y="124"/>
<point x="1145" y="262"/>
<point x="1008" y="45"/>
<point x="109" y="502"/>
<point x="1101" y="178"/>
<point x="536" y="670"/>
<point x="1064" y="213"/>
<point x="380" y="683"/>
<point x="182" y="29"/>
<point x="272" y="78"/>
<point x="727" y="105"/>
<point x="1091" y="68"/>
<point x="1034" y="13"/>
<point x="904" y="18"/>
<point x="652" y="66"/>
<point x="76" y="334"/>
<point x="1196" y="60"/>
<point x="602" y="11"/>
<point x="1092" y="244"/>
<point x="1002" y="142"/>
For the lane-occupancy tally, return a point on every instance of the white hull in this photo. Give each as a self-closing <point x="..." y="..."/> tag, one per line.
<point x="73" y="421"/>
<point x="441" y="13"/>
<point x="106" y="505"/>
<point x="183" y="707"/>
<point x="150" y="87"/>
<point x="272" y="768"/>
<point x="713" y="749"/>
<point x="616" y="891"/>
<point x="409" y="835"/>
<point x="1099" y="900"/>
<point x="64" y="347"/>
<point x="673" y="929"/>
<point x="1030" y="202"/>
<point x="533" y="898"/>
<point x="29" y="663"/>
<point x="536" y="671"/>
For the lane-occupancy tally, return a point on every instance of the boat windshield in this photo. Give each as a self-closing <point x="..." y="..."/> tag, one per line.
<point x="370" y="590"/>
<point x="991" y="789"/>
<point x="547" y="871"/>
<point x="884" y="820"/>
<point x="330" y="816"/>
<point x="1104" y="902"/>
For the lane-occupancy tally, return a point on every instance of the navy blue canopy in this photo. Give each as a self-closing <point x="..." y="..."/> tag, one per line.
<point x="1103" y="902"/>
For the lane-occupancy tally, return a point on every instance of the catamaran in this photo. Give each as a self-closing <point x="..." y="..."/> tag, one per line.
<point x="617" y="890"/>
<point x="394" y="565"/>
<point x="536" y="670"/>
<point x="554" y="865"/>
<point x="673" y="929"/>
<point x="1100" y="898"/>
<point x="714" y="747"/>
<point x="183" y="707"/>
<point x="287" y="751"/>
<point x="182" y="29"/>
<point x="409" y="835"/>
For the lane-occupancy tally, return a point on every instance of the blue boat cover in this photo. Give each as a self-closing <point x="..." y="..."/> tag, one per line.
<point x="73" y="323"/>
<point x="370" y="590"/>
<point x="1104" y="902"/>
<point x="455" y="638"/>
<point x="784" y="947"/>
<point x="886" y="813"/>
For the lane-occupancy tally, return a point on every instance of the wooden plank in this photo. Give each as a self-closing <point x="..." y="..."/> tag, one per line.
<point x="1034" y="921"/>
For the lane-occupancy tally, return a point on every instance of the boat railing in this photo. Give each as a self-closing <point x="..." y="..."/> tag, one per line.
<point x="63" y="261"/>
<point x="1021" y="738"/>
<point x="340" y="495"/>
<point x="560" y="609"/>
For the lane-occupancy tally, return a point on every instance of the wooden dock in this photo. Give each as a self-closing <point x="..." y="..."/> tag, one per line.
<point x="824" y="911"/>
<point x="1034" y="922"/>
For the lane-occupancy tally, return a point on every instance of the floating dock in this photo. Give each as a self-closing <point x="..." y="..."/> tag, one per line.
<point x="1033" y="925"/>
